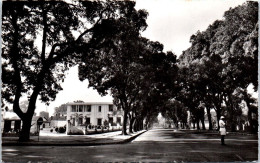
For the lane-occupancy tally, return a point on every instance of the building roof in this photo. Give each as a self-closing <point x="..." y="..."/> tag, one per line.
<point x="14" y="116"/>
<point x="11" y="116"/>
<point x="90" y="103"/>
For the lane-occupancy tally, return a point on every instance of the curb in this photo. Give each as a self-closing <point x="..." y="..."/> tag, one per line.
<point x="133" y="137"/>
<point x="80" y="144"/>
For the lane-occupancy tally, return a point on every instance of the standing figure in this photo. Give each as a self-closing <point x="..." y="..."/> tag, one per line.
<point x="222" y="130"/>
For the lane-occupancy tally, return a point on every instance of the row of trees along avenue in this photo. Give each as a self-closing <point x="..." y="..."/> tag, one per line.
<point x="103" y="38"/>
<point x="220" y="64"/>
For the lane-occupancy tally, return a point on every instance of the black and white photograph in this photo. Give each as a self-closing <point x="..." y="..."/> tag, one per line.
<point x="129" y="81"/>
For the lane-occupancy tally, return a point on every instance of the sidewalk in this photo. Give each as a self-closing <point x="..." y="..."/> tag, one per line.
<point x="73" y="140"/>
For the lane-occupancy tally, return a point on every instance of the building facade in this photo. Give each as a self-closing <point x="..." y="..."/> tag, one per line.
<point x="94" y="113"/>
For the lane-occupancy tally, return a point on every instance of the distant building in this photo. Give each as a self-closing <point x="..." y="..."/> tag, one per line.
<point x="46" y="119"/>
<point x="12" y="124"/>
<point x="94" y="113"/>
<point x="58" y="120"/>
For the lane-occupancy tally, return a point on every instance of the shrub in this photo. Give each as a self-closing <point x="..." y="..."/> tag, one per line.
<point x="62" y="130"/>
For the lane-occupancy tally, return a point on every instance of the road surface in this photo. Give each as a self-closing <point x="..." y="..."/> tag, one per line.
<point x="153" y="146"/>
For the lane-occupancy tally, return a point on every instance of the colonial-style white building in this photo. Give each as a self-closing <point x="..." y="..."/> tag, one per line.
<point x="94" y="113"/>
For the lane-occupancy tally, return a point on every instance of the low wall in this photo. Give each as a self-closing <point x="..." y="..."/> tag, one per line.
<point x="102" y="130"/>
<point x="88" y="130"/>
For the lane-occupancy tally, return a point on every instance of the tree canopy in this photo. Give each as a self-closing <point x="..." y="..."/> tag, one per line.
<point x="42" y="40"/>
<point x="66" y="31"/>
<point x="221" y="60"/>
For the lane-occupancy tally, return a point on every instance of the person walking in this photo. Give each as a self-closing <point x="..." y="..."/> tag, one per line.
<point x="222" y="130"/>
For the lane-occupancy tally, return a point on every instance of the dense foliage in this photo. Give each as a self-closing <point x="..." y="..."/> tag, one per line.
<point x="41" y="40"/>
<point x="221" y="63"/>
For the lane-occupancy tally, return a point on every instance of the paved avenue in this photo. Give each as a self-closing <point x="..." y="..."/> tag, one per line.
<point x="152" y="146"/>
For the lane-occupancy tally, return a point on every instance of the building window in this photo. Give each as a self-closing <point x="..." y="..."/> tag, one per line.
<point x="99" y="108"/>
<point x="80" y="108"/>
<point x="110" y="108"/>
<point x="73" y="108"/>
<point x="118" y="120"/>
<point x="88" y="108"/>
<point x="87" y="121"/>
<point x="99" y="121"/>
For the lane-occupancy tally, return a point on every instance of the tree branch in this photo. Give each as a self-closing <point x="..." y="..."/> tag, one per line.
<point x="70" y="44"/>
<point x="44" y="15"/>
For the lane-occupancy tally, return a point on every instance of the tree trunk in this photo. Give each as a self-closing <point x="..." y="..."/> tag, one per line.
<point x="131" y="124"/>
<point x="249" y="114"/>
<point x="198" y="123"/>
<point x="124" y="123"/>
<point x="201" y="118"/>
<point x="27" y="118"/>
<point x="25" y="132"/>
<point x="146" y="124"/>
<point x="203" y="124"/>
<point x="193" y="124"/>
<point x="141" y="125"/>
<point x="185" y="125"/>
<point x="209" y="118"/>
<point x="217" y="104"/>
<point x="232" y="117"/>
<point x="218" y="117"/>
<point x="134" y="125"/>
<point x="177" y="125"/>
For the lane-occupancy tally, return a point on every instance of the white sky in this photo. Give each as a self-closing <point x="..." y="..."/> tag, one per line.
<point x="170" y="22"/>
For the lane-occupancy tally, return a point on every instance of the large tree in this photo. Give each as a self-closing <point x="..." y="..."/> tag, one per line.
<point x="239" y="63"/>
<point x="135" y="69"/>
<point x="227" y="57"/>
<point x="41" y="40"/>
<point x="110" y="64"/>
